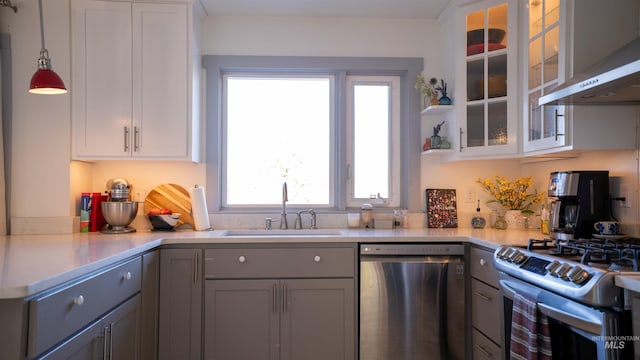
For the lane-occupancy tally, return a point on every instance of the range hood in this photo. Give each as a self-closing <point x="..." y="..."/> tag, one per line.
<point x="614" y="80"/>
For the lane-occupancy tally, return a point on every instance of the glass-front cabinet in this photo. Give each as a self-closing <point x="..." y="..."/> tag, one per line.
<point x="488" y="125"/>
<point x="545" y="125"/>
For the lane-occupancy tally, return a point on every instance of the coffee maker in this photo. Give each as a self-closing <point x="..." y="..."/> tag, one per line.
<point x="578" y="199"/>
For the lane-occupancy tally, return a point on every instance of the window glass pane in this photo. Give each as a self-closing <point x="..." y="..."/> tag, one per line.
<point x="552" y="12"/>
<point x="498" y="134"/>
<point x="535" y="63"/>
<point x="475" y="125"/>
<point x="551" y="41"/>
<point x="535" y="17"/>
<point x="278" y="129"/>
<point x="371" y="140"/>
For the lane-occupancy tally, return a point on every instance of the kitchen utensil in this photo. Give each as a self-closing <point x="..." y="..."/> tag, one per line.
<point x="607" y="227"/>
<point x="118" y="189"/>
<point x="119" y="214"/>
<point x="173" y="197"/>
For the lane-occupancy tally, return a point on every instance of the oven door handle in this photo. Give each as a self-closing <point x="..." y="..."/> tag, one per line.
<point x="569" y="319"/>
<point x="510" y="288"/>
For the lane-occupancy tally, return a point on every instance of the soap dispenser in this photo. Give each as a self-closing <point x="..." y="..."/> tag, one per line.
<point x="478" y="222"/>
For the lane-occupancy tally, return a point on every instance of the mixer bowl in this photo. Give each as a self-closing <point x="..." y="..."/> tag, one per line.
<point x="119" y="214"/>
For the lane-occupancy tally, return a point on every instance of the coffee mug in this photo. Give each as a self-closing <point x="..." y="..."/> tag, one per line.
<point x="607" y="227"/>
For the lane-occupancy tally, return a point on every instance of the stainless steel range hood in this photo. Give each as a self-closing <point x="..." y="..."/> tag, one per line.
<point x="614" y="80"/>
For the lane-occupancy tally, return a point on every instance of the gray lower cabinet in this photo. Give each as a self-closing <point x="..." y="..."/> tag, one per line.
<point x="115" y="336"/>
<point x="95" y="317"/>
<point x="486" y="314"/>
<point x="180" y="304"/>
<point x="280" y="303"/>
<point x="149" y="300"/>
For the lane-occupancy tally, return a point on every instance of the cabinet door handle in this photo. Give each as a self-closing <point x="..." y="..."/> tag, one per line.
<point x="126" y="276"/>
<point x="78" y="300"/>
<point x="196" y="261"/>
<point x="104" y="342"/>
<point x="284" y="297"/>
<point x="483" y="262"/>
<point x="242" y="258"/>
<point x="317" y="258"/>
<point x="461" y="132"/>
<point x="136" y="139"/>
<point x="275" y="298"/>
<point x="110" y="341"/>
<point x="126" y="139"/>
<point x="482" y="296"/>
<point x="556" y="124"/>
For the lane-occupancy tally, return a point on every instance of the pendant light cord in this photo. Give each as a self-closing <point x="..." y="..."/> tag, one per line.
<point x="41" y="26"/>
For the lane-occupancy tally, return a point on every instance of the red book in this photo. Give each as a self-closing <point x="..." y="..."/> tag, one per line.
<point x="96" y="219"/>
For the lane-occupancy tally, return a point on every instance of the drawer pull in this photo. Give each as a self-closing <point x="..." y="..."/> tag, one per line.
<point x="316" y="258"/>
<point x="78" y="300"/>
<point x="242" y="259"/>
<point x="484" y="351"/>
<point x="482" y="296"/>
<point x="483" y="262"/>
<point x="127" y="276"/>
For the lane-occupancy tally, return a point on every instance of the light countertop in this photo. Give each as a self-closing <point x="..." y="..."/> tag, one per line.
<point x="30" y="264"/>
<point x="629" y="282"/>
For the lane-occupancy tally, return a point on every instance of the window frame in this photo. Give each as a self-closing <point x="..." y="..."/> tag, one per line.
<point x="407" y="68"/>
<point x="393" y="200"/>
<point x="332" y="135"/>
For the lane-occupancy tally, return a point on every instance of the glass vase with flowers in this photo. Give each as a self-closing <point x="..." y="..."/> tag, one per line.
<point x="514" y="196"/>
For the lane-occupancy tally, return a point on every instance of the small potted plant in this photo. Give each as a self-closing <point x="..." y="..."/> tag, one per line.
<point x="427" y="89"/>
<point x="444" y="99"/>
<point x="436" y="140"/>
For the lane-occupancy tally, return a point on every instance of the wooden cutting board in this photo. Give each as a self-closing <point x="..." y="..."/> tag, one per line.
<point x="173" y="197"/>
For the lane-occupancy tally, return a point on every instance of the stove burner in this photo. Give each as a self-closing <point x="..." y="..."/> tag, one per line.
<point x="615" y="254"/>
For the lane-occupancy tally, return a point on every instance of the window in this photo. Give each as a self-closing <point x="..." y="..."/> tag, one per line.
<point x="329" y="127"/>
<point x="373" y="143"/>
<point x="278" y="129"/>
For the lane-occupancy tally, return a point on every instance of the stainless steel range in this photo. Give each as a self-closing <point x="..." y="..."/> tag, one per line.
<point x="572" y="282"/>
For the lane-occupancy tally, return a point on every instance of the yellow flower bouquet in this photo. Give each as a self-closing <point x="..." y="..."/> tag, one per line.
<point x="512" y="194"/>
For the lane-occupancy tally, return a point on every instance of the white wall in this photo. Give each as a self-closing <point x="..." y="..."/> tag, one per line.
<point x="40" y="175"/>
<point x="47" y="185"/>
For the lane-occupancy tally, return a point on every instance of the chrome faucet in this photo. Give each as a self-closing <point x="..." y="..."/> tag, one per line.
<point x="298" y="223"/>
<point x="285" y="198"/>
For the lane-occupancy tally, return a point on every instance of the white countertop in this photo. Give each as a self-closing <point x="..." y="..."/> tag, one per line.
<point x="30" y="264"/>
<point x="629" y="282"/>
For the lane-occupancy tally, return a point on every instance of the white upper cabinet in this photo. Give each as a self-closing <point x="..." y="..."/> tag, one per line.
<point x="486" y="74"/>
<point x="134" y="81"/>
<point x="562" y="38"/>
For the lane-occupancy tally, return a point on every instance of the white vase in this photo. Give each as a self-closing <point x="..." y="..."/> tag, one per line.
<point x="515" y="219"/>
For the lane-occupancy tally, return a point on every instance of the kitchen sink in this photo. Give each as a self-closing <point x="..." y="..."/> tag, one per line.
<point x="283" y="233"/>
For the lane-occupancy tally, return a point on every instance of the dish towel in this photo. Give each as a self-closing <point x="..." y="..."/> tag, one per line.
<point x="529" y="331"/>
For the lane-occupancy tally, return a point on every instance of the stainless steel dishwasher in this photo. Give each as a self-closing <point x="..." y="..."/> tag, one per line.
<point x="412" y="301"/>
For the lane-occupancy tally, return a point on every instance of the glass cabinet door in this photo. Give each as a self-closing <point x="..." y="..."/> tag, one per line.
<point x="486" y="73"/>
<point x="545" y="124"/>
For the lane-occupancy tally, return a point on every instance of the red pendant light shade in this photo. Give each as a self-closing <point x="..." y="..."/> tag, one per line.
<point x="45" y="80"/>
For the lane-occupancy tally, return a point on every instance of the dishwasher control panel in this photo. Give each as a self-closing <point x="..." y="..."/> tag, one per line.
<point x="412" y="249"/>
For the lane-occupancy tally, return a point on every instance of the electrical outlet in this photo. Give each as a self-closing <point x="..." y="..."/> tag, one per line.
<point x="625" y="194"/>
<point x="140" y="193"/>
<point x="470" y="196"/>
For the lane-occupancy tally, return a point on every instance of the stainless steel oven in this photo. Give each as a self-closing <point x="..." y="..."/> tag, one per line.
<point x="586" y="313"/>
<point x="577" y="331"/>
